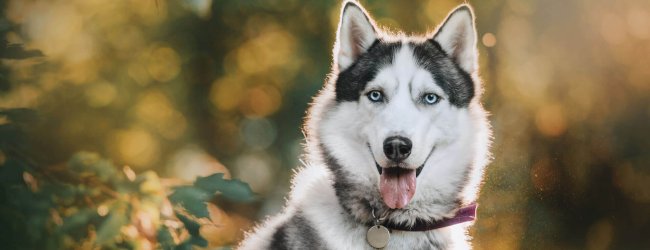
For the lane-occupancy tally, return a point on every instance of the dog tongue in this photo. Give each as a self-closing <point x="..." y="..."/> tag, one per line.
<point x="397" y="187"/>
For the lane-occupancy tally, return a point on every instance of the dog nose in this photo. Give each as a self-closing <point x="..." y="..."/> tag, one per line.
<point x="397" y="148"/>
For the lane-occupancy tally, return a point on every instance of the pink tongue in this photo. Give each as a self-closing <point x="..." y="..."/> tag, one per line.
<point x="397" y="189"/>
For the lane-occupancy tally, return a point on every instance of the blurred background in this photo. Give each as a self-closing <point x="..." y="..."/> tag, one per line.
<point x="180" y="89"/>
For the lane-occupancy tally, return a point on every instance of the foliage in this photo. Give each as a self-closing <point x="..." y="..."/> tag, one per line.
<point x="89" y="200"/>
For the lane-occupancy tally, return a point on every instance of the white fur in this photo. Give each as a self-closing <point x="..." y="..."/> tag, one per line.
<point x="355" y="34"/>
<point x="458" y="37"/>
<point x="460" y="136"/>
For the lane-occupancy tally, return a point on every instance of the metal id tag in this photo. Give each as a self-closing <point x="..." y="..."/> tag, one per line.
<point x="378" y="236"/>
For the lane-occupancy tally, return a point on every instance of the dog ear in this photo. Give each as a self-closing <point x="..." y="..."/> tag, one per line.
<point x="356" y="33"/>
<point x="457" y="37"/>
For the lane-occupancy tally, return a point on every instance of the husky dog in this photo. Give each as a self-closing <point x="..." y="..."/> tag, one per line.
<point x="396" y="143"/>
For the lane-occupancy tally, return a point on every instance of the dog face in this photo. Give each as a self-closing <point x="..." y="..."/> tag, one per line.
<point x="399" y="123"/>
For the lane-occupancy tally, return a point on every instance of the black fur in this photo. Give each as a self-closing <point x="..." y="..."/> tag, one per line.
<point x="353" y="198"/>
<point x="456" y="83"/>
<point x="280" y="239"/>
<point x="296" y="234"/>
<point x="353" y="80"/>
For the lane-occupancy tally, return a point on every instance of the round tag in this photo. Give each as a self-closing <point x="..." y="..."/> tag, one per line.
<point x="378" y="236"/>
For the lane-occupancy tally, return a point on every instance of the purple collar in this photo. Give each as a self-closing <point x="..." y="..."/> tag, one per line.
<point x="464" y="214"/>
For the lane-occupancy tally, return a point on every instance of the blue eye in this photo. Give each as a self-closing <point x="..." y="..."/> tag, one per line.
<point x="430" y="98"/>
<point x="375" y="96"/>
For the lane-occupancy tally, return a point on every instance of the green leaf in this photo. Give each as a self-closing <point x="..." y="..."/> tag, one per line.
<point x="192" y="199"/>
<point x="110" y="227"/>
<point x="211" y="183"/>
<point x="199" y="241"/>
<point x="104" y="170"/>
<point x="191" y="225"/>
<point x="192" y="228"/>
<point x="81" y="160"/>
<point x="76" y="224"/>
<point x="78" y="219"/>
<point x="186" y="245"/>
<point x="92" y="163"/>
<point x="235" y="190"/>
<point x="165" y="238"/>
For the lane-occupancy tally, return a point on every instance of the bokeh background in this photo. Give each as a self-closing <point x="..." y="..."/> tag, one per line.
<point x="193" y="87"/>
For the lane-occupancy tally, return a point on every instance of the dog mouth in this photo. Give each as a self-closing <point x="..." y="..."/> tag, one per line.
<point x="397" y="183"/>
<point x="398" y="168"/>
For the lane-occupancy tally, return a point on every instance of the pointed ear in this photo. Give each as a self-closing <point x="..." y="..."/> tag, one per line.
<point x="356" y="33"/>
<point x="457" y="37"/>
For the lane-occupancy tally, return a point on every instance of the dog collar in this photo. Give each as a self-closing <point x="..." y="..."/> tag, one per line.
<point x="464" y="214"/>
<point x="379" y="234"/>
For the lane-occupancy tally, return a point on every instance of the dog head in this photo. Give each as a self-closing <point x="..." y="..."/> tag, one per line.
<point x="399" y="123"/>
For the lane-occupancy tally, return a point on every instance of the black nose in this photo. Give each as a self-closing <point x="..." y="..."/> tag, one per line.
<point x="397" y="148"/>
